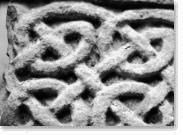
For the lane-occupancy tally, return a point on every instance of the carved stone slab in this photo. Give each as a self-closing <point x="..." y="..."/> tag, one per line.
<point x="90" y="63"/>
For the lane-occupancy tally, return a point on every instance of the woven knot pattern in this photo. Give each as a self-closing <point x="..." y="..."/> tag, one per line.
<point x="79" y="64"/>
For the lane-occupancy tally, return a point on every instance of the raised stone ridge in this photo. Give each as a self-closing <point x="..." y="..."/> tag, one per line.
<point x="88" y="63"/>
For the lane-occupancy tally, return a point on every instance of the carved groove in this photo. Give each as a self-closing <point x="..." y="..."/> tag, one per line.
<point x="90" y="63"/>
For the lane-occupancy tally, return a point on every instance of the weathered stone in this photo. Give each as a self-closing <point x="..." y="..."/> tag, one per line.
<point x="90" y="63"/>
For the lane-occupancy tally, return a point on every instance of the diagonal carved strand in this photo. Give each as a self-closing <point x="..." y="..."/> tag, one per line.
<point x="81" y="64"/>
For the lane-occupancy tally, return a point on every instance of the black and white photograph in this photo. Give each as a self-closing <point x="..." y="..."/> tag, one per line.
<point x="91" y="64"/>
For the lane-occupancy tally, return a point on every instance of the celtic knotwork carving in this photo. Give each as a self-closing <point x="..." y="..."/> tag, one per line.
<point x="80" y="64"/>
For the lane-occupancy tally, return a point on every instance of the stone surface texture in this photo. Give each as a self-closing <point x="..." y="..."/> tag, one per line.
<point x="90" y="63"/>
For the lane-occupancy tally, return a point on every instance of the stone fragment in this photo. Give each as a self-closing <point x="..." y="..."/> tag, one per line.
<point x="90" y="63"/>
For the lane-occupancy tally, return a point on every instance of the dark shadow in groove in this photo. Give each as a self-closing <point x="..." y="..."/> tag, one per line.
<point x="170" y="124"/>
<point x="64" y="115"/>
<point x="55" y="18"/>
<point x="33" y="36"/>
<point x="131" y="96"/>
<point x="132" y="5"/>
<point x="126" y="124"/>
<point x="131" y="99"/>
<point x="50" y="54"/>
<point x="152" y="80"/>
<point x="37" y="123"/>
<point x="87" y="95"/>
<point x="111" y="77"/>
<point x="119" y="40"/>
<point x="72" y="38"/>
<point x="141" y="23"/>
<point x="157" y="44"/>
<point x="25" y="73"/>
<point x="170" y="97"/>
<point x="23" y="114"/>
<point x="14" y="52"/>
<point x="117" y="36"/>
<point x="137" y="58"/>
<point x="44" y="96"/>
<point x="89" y="122"/>
<point x="154" y="116"/>
<point x="111" y="118"/>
